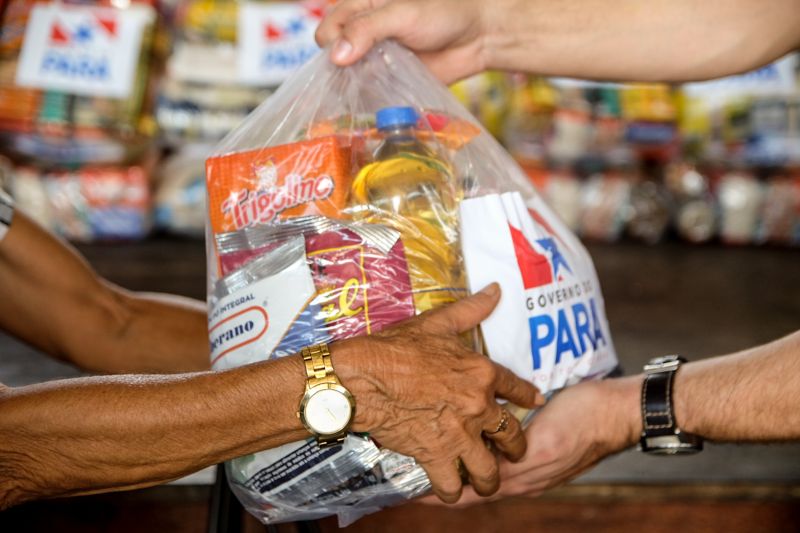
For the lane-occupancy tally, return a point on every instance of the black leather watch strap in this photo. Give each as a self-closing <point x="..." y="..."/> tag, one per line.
<point x="660" y="431"/>
<point x="657" y="404"/>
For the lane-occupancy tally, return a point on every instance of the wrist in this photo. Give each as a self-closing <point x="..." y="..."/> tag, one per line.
<point x="494" y="30"/>
<point x="685" y="417"/>
<point x="498" y="33"/>
<point x="358" y="372"/>
<point x="622" y="397"/>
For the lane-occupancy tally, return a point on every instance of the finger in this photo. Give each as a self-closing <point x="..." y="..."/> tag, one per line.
<point x="362" y="32"/>
<point x="331" y="26"/>
<point x="468" y="499"/>
<point x="464" y="314"/>
<point x="515" y="389"/>
<point x="445" y="480"/>
<point x="518" y="482"/>
<point x="510" y="441"/>
<point x="484" y="475"/>
<point x="431" y="499"/>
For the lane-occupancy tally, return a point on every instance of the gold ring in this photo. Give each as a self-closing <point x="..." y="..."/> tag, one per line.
<point x="502" y="425"/>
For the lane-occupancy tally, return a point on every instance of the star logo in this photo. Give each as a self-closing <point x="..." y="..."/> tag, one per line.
<point x="83" y="34"/>
<point x="295" y="27"/>
<point x="556" y="259"/>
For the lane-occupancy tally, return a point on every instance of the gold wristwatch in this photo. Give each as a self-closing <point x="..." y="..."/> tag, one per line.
<point x="327" y="408"/>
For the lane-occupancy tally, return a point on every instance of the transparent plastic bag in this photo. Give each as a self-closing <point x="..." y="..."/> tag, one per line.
<point x="357" y="197"/>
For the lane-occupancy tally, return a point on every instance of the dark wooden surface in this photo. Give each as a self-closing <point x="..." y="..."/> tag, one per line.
<point x="699" y="301"/>
<point x="632" y="509"/>
<point x="660" y="509"/>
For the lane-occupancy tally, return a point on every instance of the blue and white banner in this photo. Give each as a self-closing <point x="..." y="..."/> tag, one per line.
<point x="275" y="39"/>
<point x="90" y="51"/>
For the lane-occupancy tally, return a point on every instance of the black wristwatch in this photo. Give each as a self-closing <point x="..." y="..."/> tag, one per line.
<point x="660" y="433"/>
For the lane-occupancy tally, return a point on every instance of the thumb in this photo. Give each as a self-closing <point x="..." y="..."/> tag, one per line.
<point x="338" y="16"/>
<point x="363" y="31"/>
<point x="465" y="314"/>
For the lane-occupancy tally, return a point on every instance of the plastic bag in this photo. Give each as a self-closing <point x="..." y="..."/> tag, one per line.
<point x="227" y="57"/>
<point x="352" y="199"/>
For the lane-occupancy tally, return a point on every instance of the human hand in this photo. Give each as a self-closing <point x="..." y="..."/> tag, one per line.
<point x="447" y="35"/>
<point x="576" y="429"/>
<point x="421" y="391"/>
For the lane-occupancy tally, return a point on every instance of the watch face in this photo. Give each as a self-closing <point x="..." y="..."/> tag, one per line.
<point x="328" y="412"/>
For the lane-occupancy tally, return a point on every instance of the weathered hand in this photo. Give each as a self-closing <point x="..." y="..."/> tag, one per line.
<point x="447" y="35"/>
<point x="576" y="429"/>
<point x="422" y="392"/>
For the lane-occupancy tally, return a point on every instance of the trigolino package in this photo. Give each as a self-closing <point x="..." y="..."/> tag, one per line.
<point x="355" y="198"/>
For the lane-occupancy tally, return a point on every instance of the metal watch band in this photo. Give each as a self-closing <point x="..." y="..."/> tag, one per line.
<point x="319" y="368"/>
<point x="319" y="371"/>
<point x="6" y="213"/>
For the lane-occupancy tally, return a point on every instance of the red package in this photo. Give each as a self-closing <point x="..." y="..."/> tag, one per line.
<point x="360" y="290"/>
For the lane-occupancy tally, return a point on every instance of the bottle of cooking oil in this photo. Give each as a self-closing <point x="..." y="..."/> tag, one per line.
<point x="410" y="187"/>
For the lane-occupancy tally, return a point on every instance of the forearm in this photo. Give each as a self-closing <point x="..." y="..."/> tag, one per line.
<point x="746" y="397"/>
<point x="749" y="396"/>
<point x="113" y="433"/>
<point x="658" y="40"/>
<point x="52" y="299"/>
<point x="151" y="333"/>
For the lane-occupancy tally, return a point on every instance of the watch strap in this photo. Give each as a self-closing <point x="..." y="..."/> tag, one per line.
<point x="660" y="431"/>
<point x="318" y="365"/>
<point x="657" y="403"/>
<point x="331" y="440"/>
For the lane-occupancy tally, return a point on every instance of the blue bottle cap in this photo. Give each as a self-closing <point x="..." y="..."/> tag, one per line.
<point x="391" y="117"/>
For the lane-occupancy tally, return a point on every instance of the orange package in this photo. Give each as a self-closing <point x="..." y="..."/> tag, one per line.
<point x="290" y="180"/>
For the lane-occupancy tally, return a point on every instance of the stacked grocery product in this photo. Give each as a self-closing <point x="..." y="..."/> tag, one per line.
<point x="186" y="72"/>
<point x="200" y="95"/>
<point x="718" y="160"/>
<point x="85" y="91"/>
<point x="227" y="57"/>
<point x="74" y="119"/>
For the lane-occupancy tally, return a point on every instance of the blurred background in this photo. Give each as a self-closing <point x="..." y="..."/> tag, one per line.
<point x="688" y="197"/>
<point x="701" y="163"/>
